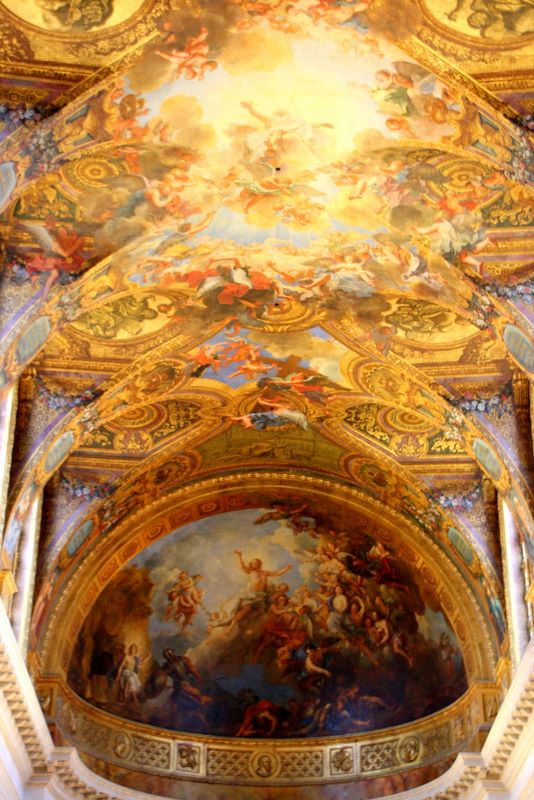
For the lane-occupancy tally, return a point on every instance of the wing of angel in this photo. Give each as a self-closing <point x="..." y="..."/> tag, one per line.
<point x="40" y="233"/>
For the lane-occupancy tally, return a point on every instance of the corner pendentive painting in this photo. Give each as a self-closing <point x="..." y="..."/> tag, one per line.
<point x="490" y="21"/>
<point x="73" y="15"/>
<point x="275" y="622"/>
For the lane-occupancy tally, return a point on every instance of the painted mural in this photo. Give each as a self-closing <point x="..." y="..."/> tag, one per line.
<point x="283" y="621"/>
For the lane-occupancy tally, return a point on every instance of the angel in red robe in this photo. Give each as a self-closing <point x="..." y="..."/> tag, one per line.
<point x="61" y="245"/>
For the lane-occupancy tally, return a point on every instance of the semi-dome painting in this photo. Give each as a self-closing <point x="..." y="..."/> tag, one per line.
<point x="268" y="622"/>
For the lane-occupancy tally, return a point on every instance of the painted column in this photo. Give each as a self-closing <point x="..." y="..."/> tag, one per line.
<point x="26" y="564"/>
<point x="514" y="583"/>
<point x="522" y="405"/>
<point x="8" y="420"/>
<point x="530" y="566"/>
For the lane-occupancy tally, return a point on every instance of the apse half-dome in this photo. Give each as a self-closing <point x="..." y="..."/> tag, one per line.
<point x="291" y="620"/>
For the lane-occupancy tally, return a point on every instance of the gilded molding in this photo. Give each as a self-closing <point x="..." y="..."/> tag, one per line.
<point x="141" y="747"/>
<point x="10" y="402"/>
<point x="423" y="53"/>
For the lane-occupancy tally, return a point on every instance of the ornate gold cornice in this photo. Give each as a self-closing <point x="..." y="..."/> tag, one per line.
<point x="490" y="372"/>
<point x="444" y="469"/>
<point x="426" y="53"/>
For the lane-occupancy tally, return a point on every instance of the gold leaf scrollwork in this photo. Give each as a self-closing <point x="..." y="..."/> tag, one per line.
<point x="364" y="418"/>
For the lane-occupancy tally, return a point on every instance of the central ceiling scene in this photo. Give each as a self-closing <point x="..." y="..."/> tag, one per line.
<point x="267" y="296"/>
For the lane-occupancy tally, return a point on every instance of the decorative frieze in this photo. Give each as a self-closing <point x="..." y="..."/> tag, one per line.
<point x="251" y="761"/>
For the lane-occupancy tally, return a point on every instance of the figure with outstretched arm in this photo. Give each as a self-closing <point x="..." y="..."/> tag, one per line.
<point x="259" y="585"/>
<point x="259" y="576"/>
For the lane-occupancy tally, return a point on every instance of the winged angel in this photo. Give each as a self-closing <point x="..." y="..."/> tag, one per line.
<point x="61" y="252"/>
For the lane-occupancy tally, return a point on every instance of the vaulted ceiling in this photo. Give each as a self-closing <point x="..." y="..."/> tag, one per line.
<point x="267" y="296"/>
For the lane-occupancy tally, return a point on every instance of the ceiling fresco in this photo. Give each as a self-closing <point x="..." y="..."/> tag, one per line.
<point x="285" y="247"/>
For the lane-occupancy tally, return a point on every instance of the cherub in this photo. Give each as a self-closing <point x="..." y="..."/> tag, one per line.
<point x="275" y="129"/>
<point x="184" y="599"/>
<point x="260" y="719"/>
<point x="216" y="618"/>
<point x="400" y="648"/>
<point x="191" y="62"/>
<point x="251" y="368"/>
<point x="278" y="627"/>
<point x="311" y="386"/>
<point x="378" y="629"/>
<point x="331" y="10"/>
<point x="208" y="356"/>
<point x="313" y="666"/>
